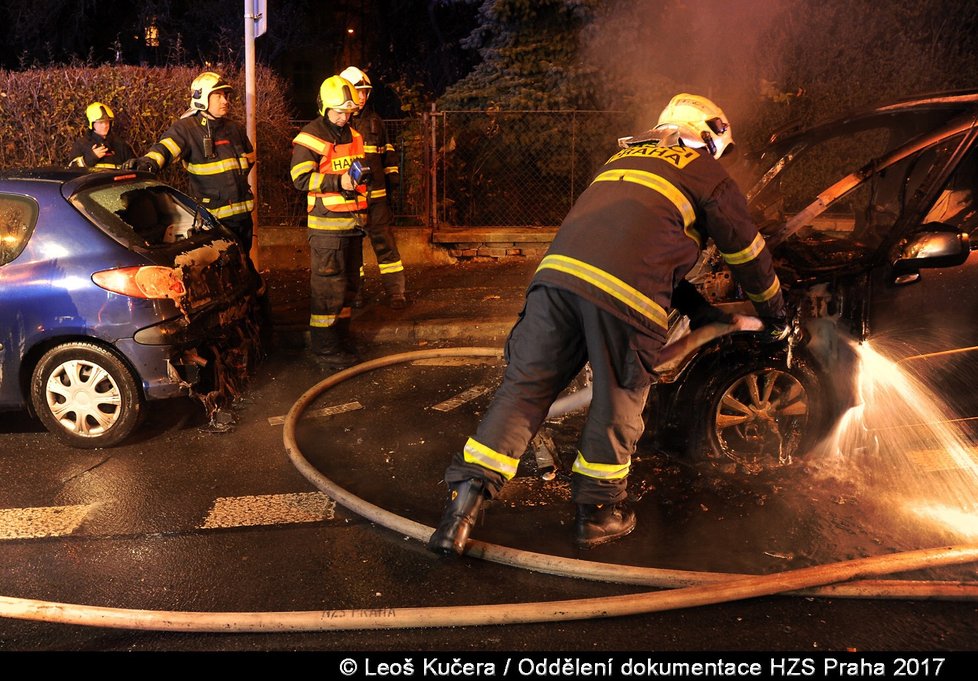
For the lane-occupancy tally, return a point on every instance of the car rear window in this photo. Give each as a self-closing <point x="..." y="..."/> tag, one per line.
<point x="145" y="212"/>
<point x="18" y="215"/>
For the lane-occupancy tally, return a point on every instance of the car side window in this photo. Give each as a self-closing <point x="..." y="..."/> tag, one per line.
<point x="18" y="215"/>
<point x="957" y="202"/>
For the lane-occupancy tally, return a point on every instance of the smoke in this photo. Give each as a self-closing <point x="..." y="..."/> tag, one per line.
<point x="645" y="51"/>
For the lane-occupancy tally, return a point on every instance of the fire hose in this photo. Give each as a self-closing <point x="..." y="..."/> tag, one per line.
<point x="677" y="588"/>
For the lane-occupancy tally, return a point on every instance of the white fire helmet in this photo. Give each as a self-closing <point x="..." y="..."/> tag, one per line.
<point x="696" y="122"/>
<point x="360" y="82"/>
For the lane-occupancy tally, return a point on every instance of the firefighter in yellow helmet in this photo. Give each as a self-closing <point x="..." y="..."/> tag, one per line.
<point x="328" y="164"/>
<point x="100" y="146"/>
<point x="382" y="160"/>
<point x="602" y="295"/>
<point x="216" y="152"/>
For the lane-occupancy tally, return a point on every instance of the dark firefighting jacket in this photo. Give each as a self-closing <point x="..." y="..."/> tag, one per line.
<point x="380" y="153"/>
<point x="82" y="155"/>
<point x="321" y="153"/>
<point x="639" y="228"/>
<point x="218" y="180"/>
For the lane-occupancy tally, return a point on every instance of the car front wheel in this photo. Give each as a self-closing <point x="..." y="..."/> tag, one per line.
<point x="761" y="415"/>
<point x="85" y="395"/>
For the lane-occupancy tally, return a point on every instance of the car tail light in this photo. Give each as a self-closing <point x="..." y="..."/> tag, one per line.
<point x="143" y="282"/>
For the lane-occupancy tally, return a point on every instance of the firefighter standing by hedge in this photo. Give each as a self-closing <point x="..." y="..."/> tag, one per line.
<point x="602" y="295"/>
<point x="328" y="164"/>
<point x="382" y="161"/>
<point x="101" y="147"/>
<point x="216" y="152"/>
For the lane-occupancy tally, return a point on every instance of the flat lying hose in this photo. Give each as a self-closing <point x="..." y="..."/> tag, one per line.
<point x="698" y="588"/>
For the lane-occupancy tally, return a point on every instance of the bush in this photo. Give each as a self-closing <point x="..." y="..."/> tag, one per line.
<point x="42" y="113"/>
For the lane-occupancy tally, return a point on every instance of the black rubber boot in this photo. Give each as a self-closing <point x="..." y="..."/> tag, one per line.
<point x="464" y="503"/>
<point x="601" y="524"/>
<point x="328" y="349"/>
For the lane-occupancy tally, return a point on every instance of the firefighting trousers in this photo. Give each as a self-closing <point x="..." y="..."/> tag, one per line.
<point x="334" y="274"/>
<point x="243" y="228"/>
<point x="556" y="334"/>
<point x="379" y="230"/>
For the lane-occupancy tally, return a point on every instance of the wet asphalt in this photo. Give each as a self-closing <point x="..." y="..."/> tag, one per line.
<point x="192" y="517"/>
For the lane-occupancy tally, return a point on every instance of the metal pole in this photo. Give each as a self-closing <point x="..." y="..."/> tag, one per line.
<point x="251" y="127"/>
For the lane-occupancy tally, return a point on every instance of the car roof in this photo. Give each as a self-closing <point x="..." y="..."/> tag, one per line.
<point x="71" y="179"/>
<point x="952" y="102"/>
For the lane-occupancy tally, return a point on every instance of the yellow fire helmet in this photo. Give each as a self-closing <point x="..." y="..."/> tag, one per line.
<point x="696" y="122"/>
<point x="202" y="87"/>
<point x="97" y="111"/>
<point x="337" y="93"/>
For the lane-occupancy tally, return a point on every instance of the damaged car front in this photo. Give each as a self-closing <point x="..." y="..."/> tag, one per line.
<point x="130" y="292"/>
<point x="869" y="219"/>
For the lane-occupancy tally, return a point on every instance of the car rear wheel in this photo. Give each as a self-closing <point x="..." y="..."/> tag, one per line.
<point x="85" y="395"/>
<point x="760" y="416"/>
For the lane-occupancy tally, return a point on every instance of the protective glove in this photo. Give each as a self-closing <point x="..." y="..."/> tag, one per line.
<point x="776" y="330"/>
<point x="142" y="164"/>
<point x="691" y="303"/>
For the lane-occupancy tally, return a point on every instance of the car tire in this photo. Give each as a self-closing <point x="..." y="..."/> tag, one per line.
<point x="758" y="415"/>
<point x="85" y="395"/>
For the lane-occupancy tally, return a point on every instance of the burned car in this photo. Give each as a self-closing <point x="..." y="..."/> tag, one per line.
<point x="116" y="289"/>
<point x="869" y="219"/>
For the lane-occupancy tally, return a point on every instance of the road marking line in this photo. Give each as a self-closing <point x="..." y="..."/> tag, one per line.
<point x="461" y="398"/>
<point x="41" y="521"/>
<point x="325" y="411"/>
<point x="269" y="509"/>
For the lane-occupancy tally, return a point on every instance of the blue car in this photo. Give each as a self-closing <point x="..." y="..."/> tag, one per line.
<point x="117" y="289"/>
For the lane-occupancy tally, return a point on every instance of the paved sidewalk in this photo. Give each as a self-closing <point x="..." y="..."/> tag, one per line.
<point x="468" y="302"/>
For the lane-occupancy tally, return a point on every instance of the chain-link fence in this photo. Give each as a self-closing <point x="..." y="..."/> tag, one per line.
<point x="477" y="168"/>
<point x="516" y="168"/>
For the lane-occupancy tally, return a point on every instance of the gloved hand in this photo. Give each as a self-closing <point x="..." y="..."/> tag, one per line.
<point x="691" y="303"/>
<point x="143" y="164"/>
<point x="776" y="330"/>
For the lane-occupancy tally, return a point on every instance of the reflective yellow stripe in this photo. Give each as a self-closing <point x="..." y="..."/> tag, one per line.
<point x="745" y="255"/>
<point x="656" y="183"/>
<point x="371" y="149"/>
<point x="388" y="147"/>
<point x="480" y="455"/>
<point x="362" y="273"/>
<point x="105" y="165"/>
<point x="378" y="193"/>
<point x="158" y="157"/>
<point x="171" y="146"/>
<point x="331" y="224"/>
<point x="391" y="267"/>
<point x="232" y="209"/>
<point x="611" y="285"/>
<point x="601" y="471"/>
<point x="771" y="291"/>
<point x="218" y="167"/>
<point x="324" y="321"/>
<point x="311" y="142"/>
<point x="390" y="170"/>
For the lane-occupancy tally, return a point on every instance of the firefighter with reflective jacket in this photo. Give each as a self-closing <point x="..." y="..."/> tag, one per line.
<point x="100" y="147"/>
<point x="328" y="164"/>
<point x="216" y="152"/>
<point x="382" y="161"/>
<point x="602" y="295"/>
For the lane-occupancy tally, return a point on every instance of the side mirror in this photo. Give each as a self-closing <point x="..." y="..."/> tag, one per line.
<point x="938" y="246"/>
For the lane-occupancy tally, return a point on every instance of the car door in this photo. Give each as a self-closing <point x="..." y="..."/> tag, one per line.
<point x="928" y="319"/>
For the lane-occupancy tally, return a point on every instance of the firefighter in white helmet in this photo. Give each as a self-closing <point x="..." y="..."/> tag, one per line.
<point x="602" y="295"/>
<point x="101" y="146"/>
<point x="328" y="164"/>
<point x="382" y="160"/>
<point x="216" y="152"/>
